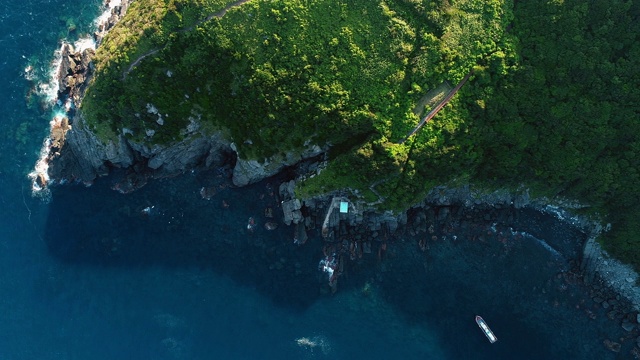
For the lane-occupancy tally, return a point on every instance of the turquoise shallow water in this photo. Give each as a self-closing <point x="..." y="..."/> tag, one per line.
<point x="88" y="275"/>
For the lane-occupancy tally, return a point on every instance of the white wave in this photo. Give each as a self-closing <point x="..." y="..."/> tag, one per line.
<point x="41" y="169"/>
<point x="104" y="17"/>
<point x="49" y="89"/>
<point x="562" y="215"/>
<point x="29" y="73"/>
<point x="317" y="342"/>
<point x="545" y="245"/>
<point x="82" y="44"/>
<point x="49" y="92"/>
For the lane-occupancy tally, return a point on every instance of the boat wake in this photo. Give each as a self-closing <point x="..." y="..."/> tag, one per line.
<point x="541" y="242"/>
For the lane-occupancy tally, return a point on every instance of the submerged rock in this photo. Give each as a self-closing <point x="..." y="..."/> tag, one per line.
<point x="612" y="345"/>
<point x="628" y="326"/>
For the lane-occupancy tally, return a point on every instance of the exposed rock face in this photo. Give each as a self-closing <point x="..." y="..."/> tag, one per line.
<point x="84" y="157"/>
<point x="58" y="133"/>
<point x="76" y="154"/>
<point x="290" y="205"/>
<point x="75" y="69"/>
<point x="250" y="171"/>
<point x="292" y="213"/>
<point x="599" y="268"/>
<point x="196" y="149"/>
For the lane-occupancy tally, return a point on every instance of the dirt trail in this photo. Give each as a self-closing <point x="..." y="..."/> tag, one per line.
<point x="218" y="14"/>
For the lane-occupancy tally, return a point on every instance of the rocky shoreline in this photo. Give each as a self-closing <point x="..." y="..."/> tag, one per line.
<point x="73" y="75"/>
<point x="77" y="155"/>
<point x="350" y="235"/>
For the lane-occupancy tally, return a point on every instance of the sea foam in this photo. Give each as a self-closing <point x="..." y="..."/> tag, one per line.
<point x="49" y="89"/>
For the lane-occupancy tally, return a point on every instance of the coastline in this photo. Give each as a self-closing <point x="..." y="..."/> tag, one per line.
<point x="69" y="79"/>
<point x="609" y="279"/>
<point x="515" y="285"/>
<point x="611" y="283"/>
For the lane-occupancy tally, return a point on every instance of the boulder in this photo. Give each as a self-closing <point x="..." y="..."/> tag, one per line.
<point x="627" y="326"/>
<point x="291" y="210"/>
<point x="287" y="190"/>
<point x="301" y="236"/>
<point x="65" y="66"/>
<point x="612" y="345"/>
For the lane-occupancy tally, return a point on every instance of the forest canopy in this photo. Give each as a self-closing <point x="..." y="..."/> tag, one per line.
<point x="552" y="104"/>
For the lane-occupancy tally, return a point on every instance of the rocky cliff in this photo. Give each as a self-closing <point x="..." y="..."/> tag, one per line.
<point x="613" y="284"/>
<point x="250" y="171"/>
<point x="77" y="154"/>
<point x="83" y="157"/>
<point x="74" y="153"/>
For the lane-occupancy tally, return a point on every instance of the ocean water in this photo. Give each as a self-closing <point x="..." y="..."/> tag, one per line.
<point x="164" y="274"/>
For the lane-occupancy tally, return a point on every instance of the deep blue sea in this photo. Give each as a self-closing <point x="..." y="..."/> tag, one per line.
<point x="89" y="274"/>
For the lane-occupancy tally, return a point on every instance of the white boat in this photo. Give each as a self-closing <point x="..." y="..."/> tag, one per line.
<point x="485" y="329"/>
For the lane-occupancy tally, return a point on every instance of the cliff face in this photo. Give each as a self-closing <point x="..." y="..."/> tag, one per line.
<point x="83" y="157"/>
<point x="76" y="153"/>
<point x="250" y="171"/>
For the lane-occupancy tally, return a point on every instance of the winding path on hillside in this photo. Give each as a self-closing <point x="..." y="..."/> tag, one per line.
<point x="438" y="107"/>
<point x="218" y="14"/>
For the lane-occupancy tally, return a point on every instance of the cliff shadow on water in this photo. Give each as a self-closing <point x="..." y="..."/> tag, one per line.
<point x="195" y="220"/>
<point x="201" y="220"/>
<point x="445" y="265"/>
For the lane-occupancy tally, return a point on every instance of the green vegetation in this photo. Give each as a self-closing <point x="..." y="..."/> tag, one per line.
<point x="553" y="102"/>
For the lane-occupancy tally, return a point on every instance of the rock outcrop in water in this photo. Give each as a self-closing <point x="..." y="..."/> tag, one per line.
<point x="75" y="69"/>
